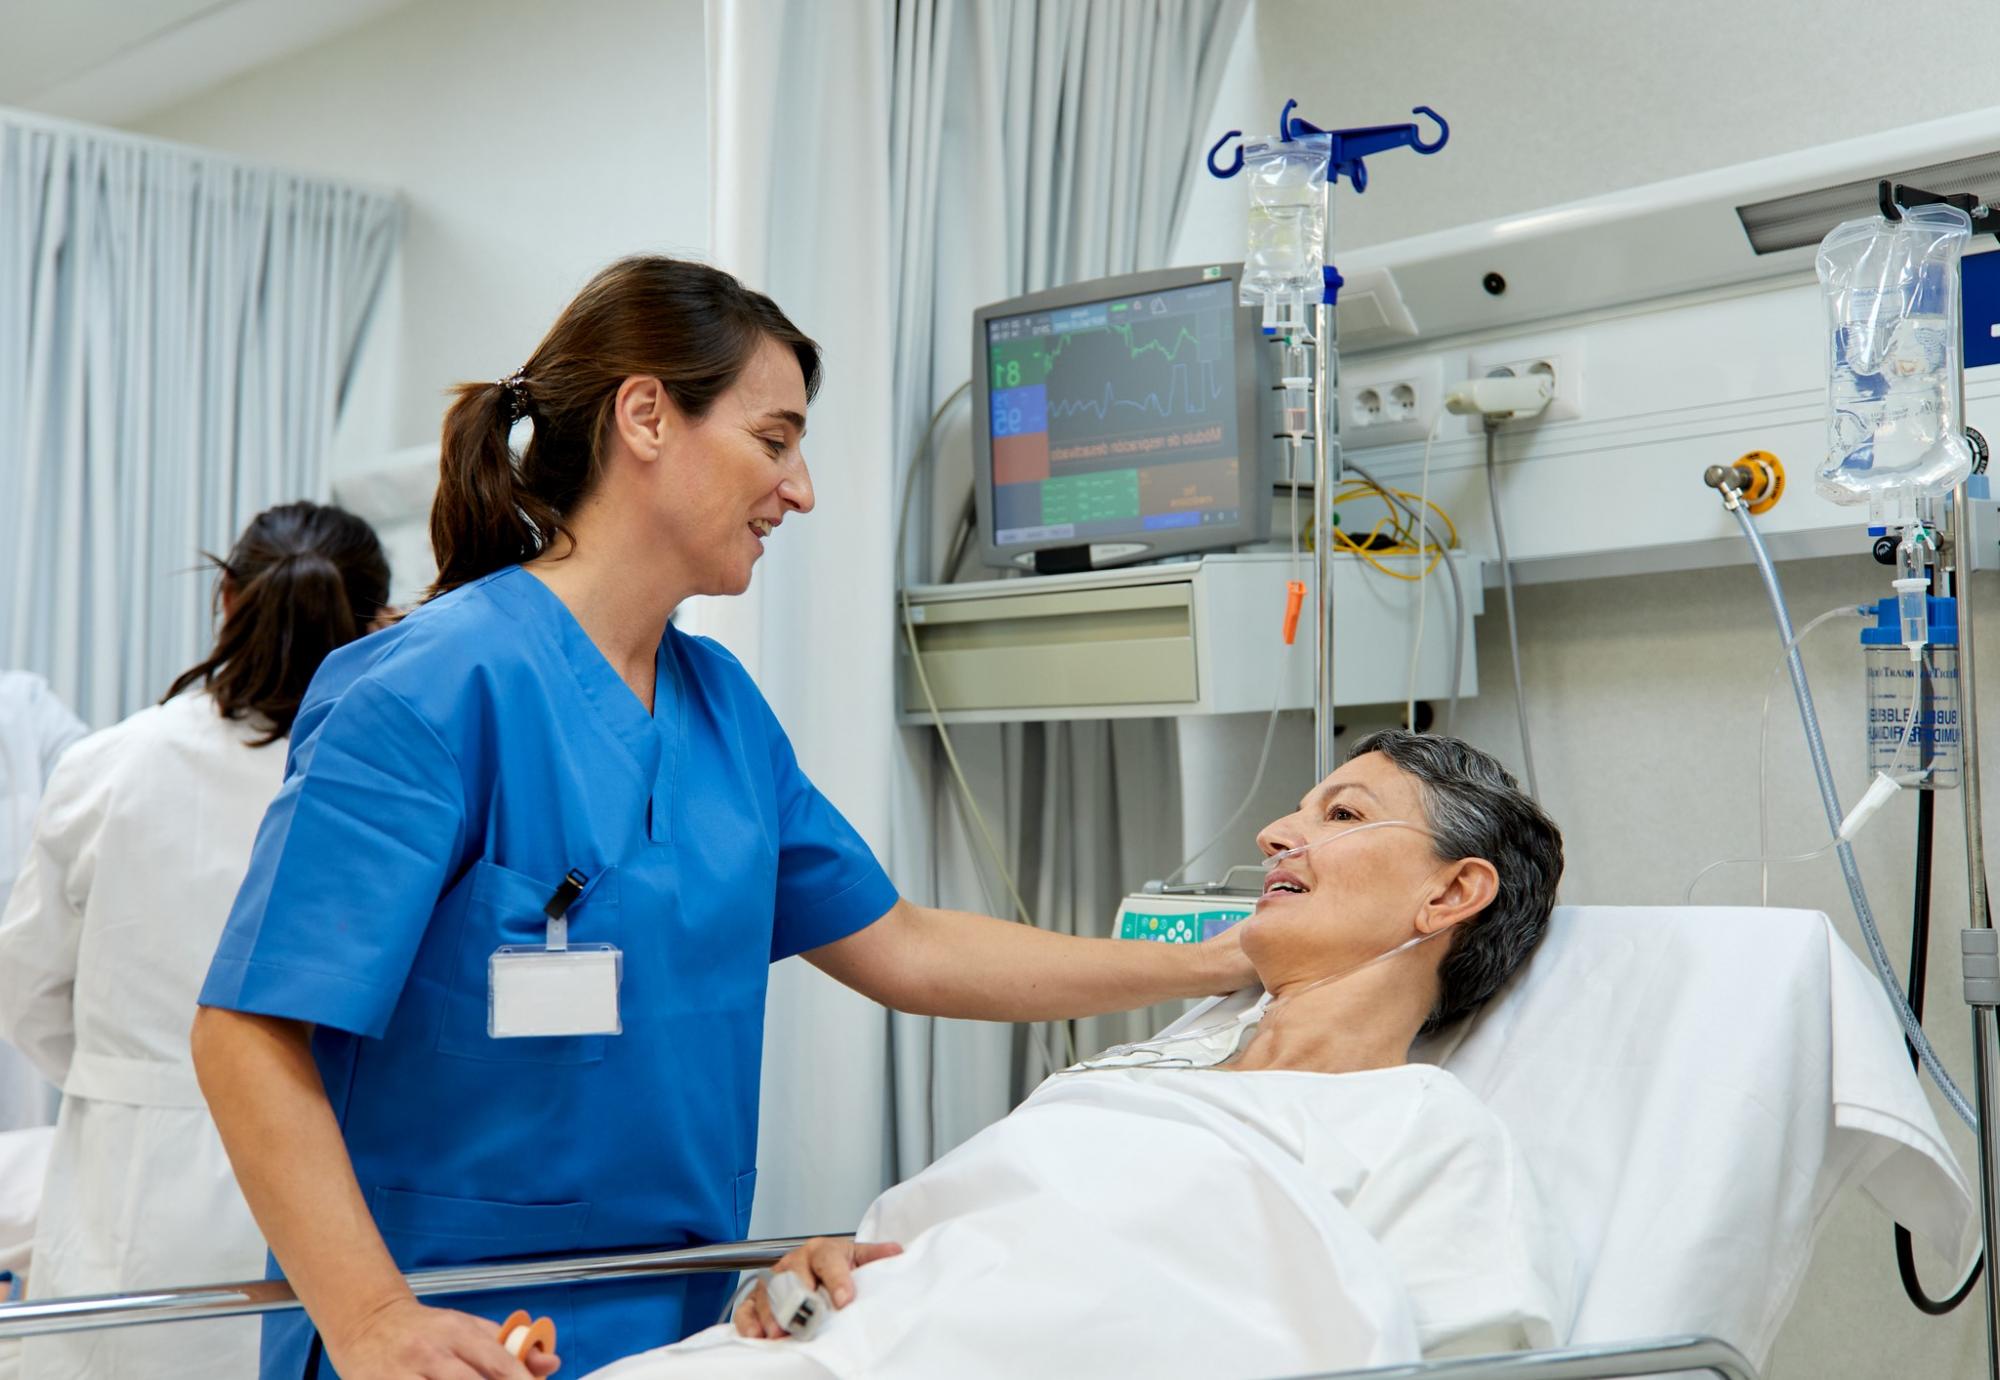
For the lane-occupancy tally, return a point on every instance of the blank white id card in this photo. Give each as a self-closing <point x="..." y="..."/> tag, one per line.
<point x="534" y="991"/>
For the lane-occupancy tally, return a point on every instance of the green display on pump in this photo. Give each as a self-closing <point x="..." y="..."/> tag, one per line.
<point x="1176" y="927"/>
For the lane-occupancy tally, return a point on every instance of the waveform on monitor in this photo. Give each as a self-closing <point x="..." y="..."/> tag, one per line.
<point x="1184" y="397"/>
<point x="1046" y="359"/>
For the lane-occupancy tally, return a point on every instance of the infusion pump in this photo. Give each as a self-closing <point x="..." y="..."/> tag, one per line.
<point x="1181" y="918"/>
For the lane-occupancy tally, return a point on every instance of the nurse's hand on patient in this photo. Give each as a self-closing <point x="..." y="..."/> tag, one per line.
<point x="1232" y="970"/>
<point x="404" y="1340"/>
<point x="825" y="1263"/>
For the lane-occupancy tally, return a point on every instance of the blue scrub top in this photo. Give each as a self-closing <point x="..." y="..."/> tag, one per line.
<point x="444" y="775"/>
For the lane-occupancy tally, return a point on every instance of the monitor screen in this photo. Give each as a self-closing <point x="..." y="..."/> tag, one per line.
<point x="1117" y="420"/>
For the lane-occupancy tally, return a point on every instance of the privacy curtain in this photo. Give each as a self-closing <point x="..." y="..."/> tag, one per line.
<point x="882" y="167"/>
<point x="1036" y="143"/>
<point x="176" y="333"/>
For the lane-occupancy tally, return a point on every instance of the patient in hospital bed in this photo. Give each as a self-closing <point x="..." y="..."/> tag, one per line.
<point x="1268" y="1193"/>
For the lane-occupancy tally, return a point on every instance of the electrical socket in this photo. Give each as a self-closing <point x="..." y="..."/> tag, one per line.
<point x="1559" y="357"/>
<point x="1391" y="403"/>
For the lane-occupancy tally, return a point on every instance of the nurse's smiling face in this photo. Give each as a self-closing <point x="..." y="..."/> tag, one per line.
<point x="720" y="484"/>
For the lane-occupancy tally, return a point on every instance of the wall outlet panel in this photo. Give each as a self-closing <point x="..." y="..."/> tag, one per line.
<point x="1390" y="406"/>
<point x="1559" y="356"/>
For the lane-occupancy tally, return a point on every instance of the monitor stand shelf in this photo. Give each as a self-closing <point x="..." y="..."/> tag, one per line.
<point x="1186" y="637"/>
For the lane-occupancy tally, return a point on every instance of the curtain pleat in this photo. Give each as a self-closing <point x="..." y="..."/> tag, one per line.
<point x="178" y="334"/>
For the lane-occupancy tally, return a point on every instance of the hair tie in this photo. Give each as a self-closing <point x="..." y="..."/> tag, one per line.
<point x="515" y="385"/>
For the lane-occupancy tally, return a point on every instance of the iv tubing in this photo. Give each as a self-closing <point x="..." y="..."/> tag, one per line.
<point x="1920" y="933"/>
<point x="1830" y="798"/>
<point x="1764" y="741"/>
<point x="1872" y="800"/>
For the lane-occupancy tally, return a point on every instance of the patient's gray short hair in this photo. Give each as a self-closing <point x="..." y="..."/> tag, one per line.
<point x="1476" y="810"/>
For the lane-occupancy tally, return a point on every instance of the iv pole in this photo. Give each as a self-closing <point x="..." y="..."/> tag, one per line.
<point x="1981" y="968"/>
<point x="1345" y="150"/>
<point x="1326" y="474"/>
<point x="1979" y="943"/>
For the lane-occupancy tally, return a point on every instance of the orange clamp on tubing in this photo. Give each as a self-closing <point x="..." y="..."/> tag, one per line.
<point x="523" y="1338"/>
<point x="1295" y="599"/>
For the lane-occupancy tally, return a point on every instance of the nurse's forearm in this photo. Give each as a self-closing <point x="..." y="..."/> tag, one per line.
<point x="265" y="1094"/>
<point x="951" y="963"/>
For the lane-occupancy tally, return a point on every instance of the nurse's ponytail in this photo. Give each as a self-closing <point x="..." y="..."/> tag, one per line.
<point x="302" y="580"/>
<point x="688" y="325"/>
<point x="483" y="518"/>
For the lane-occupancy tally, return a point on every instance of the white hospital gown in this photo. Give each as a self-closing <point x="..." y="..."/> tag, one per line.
<point x="1177" y="1222"/>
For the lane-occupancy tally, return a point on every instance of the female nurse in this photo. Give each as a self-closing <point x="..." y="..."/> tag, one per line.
<point x="538" y="740"/>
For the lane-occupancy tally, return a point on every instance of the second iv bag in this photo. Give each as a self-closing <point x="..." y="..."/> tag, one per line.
<point x="1894" y="433"/>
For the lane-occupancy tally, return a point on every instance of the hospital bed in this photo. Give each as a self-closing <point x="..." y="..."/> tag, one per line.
<point x="1693" y="1088"/>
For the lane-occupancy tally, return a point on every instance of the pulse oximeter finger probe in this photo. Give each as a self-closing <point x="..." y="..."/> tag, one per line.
<point x="799" y="1310"/>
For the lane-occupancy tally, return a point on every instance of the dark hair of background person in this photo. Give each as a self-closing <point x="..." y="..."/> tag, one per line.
<point x="303" y="579"/>
<point x="690" y="326"/>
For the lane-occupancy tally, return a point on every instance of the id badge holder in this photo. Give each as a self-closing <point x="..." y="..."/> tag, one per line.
<point x="556" y="988"/>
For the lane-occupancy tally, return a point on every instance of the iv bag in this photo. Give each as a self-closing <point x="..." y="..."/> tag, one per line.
<point x="1286" y="243"/>
<point x="1894" y="433"/>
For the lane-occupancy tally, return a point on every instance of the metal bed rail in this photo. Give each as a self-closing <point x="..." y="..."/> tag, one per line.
<point x="1659" y="1356"/>
<point x="40" y="1317"/>
<point x="85" y="1313"/>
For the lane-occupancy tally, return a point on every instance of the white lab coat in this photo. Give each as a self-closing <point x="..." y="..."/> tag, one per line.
<point x="35" y="727"/>
<point x="143" y="837"/>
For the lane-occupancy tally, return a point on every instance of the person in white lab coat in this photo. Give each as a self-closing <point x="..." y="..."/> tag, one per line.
<point x="35" y="727"/>
<point x="142" y="839"/>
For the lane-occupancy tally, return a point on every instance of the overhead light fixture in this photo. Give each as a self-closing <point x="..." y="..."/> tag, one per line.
<point x="1791" y="222"/>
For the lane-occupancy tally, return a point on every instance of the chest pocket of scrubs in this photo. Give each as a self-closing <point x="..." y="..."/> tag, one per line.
<point x="505" y="907"/>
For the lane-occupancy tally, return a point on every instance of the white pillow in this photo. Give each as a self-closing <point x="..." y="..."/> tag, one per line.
<point x="1691" y="1086"/>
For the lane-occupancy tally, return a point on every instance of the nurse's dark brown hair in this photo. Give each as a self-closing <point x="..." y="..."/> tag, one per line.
<point x="692" y="327"/>
<point x="303" y="579"/>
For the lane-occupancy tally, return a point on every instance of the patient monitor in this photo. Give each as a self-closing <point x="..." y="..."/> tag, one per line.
<point x="1121" y="420"/>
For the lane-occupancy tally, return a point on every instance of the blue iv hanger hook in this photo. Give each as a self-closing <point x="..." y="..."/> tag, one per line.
<point x="1346" y="148"/>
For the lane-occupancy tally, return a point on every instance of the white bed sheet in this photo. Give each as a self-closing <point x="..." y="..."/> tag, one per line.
<point x="1692" y="1087"/>
<point x="1170" y="1224"/>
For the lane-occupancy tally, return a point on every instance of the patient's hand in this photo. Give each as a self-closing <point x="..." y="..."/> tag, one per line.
<point x="822" y="1263"/>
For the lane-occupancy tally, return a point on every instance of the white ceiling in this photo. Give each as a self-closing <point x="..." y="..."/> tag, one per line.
<point x="115" y="61"/>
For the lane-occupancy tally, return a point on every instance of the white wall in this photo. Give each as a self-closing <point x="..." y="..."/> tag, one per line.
<point x="1644" y="691"/>
<point x="1553" y="100"/>
<point x="532" y="143"/>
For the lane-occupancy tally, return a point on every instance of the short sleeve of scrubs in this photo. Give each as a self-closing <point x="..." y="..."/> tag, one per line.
<point x="347" y="869"/>
<point x="829" y="883"/>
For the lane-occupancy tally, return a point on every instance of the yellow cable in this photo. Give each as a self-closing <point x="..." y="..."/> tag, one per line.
<point x="1354" y="488"/>
<point x="1398" y="527"/>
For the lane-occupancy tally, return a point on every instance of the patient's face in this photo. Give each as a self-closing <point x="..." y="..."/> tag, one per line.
<point x="1346" y="899"/>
